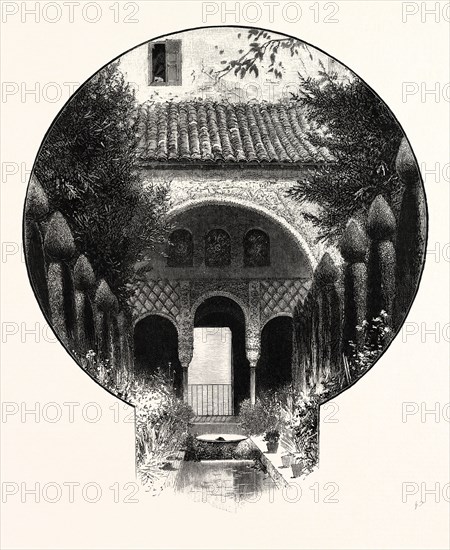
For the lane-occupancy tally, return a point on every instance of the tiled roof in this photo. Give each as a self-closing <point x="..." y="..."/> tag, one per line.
<point x="209" y="132"/>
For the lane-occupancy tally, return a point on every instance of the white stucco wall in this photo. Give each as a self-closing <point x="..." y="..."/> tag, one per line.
<point x="201" y="52"/>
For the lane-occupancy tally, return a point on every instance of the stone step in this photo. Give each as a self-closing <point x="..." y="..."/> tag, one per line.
<point x="221" y="419"/>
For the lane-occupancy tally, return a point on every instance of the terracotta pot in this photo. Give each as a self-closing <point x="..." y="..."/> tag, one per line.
<point x="286" y="460"/>
<point x="272" y="446"/>
<point x="297" y="469"/>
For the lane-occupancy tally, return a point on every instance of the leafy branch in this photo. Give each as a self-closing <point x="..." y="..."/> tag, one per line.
<point x="87" y="166"/>
<point x="261" y="44"/>
<point x="360" y="133"/>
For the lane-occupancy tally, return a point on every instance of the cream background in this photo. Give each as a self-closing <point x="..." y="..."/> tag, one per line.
<point x="370" y="452"/>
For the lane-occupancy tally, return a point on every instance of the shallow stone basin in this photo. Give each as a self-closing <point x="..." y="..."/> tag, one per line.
<point x="221" y="438"/>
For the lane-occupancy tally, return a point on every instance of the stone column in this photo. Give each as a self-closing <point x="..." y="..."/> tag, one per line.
<point x="253" y="352"/>
<point x="253" y="357"/>
<point x="185" y="382"/>
<point x="185" y="352"/>
<point x="253" y="334"/>
<point x="185" y="336"/>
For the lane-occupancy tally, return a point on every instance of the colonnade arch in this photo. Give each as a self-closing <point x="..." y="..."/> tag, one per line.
<point x="178" y="294"/>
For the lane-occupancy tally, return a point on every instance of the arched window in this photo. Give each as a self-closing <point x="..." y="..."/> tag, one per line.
<point x="180" y="249"/>
<point x="256" y="249"/>
<point x="217" y="248"/>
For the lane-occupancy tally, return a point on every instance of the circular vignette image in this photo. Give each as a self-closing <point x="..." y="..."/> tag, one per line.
<point x="225" y="227"/>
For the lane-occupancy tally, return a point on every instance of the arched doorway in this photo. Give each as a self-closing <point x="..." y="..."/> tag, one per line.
<point x="219" y="355"/>
<point x="274" y="368"/>
<point x="156" y="349"/>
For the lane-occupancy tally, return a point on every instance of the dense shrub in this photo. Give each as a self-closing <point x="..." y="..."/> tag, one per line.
<point x="376" y="336"/>
<point x="87" y="167"/>
<point x="363" y="138"/>
<point x="262" y="417"/>
<point x="411" y="232"/>
<point x="204" y="450"/>
<point x="301" y="418"/>
<point x="162" y="419"/>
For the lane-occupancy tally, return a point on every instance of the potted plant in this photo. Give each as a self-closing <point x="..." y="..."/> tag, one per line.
<point x="262" y="418"/>
<point x="297" y="467"/>
<point x="251" y="418"/>
<point x="287" y="459"/>
<point x="272" y="438"/>
<point x="304" y="426"/>
<point x="271" y="406"/>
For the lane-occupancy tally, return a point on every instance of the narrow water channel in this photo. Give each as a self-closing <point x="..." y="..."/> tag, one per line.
<point x="225" y="484"/>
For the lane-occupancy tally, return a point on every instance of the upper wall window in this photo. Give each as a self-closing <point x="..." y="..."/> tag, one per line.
<point x="217" y="248"/>
<point x="180" y="249"/>
<point x="256" y="249"/>
<point x="164" y="63"/>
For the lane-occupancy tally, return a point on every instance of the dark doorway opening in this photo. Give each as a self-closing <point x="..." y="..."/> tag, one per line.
<point x="156" y="349"/>
<point x="220" y="311"/>
<point x="159" y="62"/>
<point x="274" y="368"/>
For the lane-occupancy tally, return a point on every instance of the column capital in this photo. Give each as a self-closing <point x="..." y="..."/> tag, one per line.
<point x="253" y="357"/>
